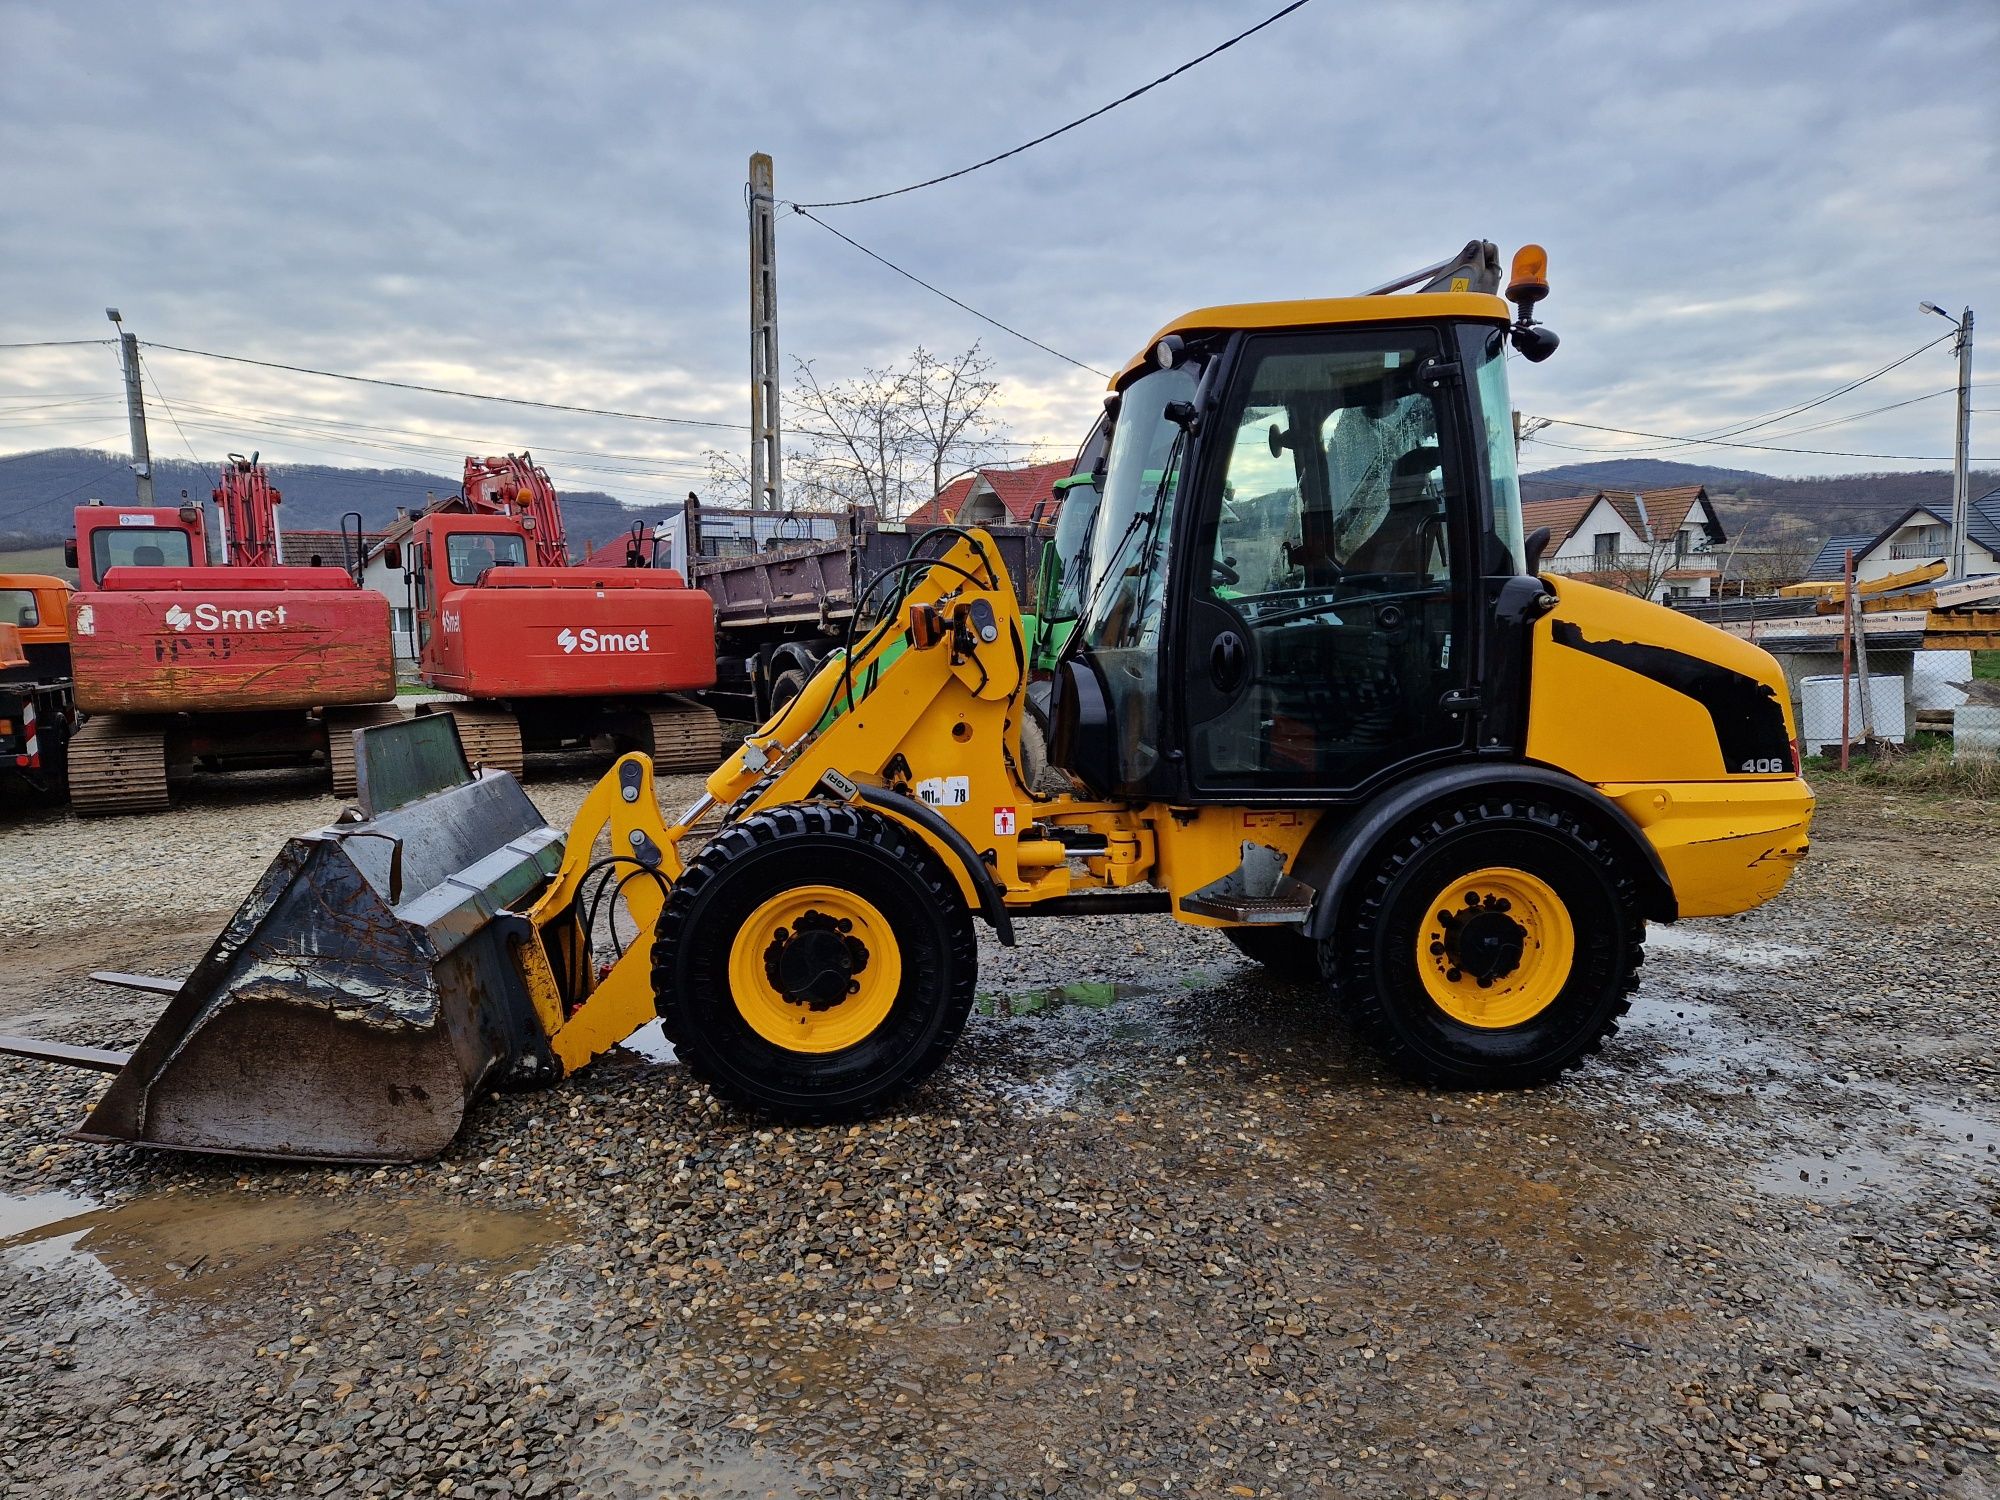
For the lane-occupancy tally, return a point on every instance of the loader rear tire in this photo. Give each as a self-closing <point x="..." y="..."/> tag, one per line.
<point x="814" y="963"/>
<point x="1494" y="944"/>
<point x="1288" y="955"/>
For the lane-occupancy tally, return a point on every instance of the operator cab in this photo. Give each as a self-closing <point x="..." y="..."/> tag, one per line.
<point x="1308" y="515"/>
<point x="150" y="536"/>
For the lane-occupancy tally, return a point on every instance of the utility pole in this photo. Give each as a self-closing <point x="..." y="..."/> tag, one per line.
<point x="135" y="408"/>
<point x="1961" y="479"/>
<point x="767" y="487"/>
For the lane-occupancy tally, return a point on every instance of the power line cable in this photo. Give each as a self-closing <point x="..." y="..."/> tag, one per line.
<point x="439" y="390"/>
<point x="1831" y="395"/>
<point x="57" y="343"/>
<point x="1063" y="129"/>
<point x="589" y="411"/>
<point x="800" y="209"/>
<point x="148" y="371"/>
<point x="1923" y="458"/>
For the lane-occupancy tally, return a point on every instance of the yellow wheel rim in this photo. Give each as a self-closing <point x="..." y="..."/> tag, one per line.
<point x="1496" y="948"/>
<point x="815" y="969"/>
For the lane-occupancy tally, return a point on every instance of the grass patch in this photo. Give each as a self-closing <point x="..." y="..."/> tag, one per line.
<point x="1923" y="765"/>
<point x="1986" y="664"/>
<point x="50" y="560"/>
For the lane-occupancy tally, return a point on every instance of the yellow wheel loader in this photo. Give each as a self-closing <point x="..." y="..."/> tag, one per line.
<point x="1317" y="697"/>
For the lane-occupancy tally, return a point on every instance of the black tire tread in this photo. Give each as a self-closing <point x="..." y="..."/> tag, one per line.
<point x="793" y="820"/>
<point x="1357" y="984"/>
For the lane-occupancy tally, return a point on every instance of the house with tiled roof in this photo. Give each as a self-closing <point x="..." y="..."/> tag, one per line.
<point x="1920" y="535"/>
<point x="1829" y="564"/>
<point x="986" y="496"/>
<point x="1659" y="544"/>
<point x="326" y="549"/>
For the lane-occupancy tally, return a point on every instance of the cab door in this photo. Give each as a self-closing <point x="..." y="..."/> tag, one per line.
<point x="1325" y="631"/>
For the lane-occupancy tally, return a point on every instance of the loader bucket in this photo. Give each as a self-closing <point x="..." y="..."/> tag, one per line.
<point x="364" y="994"/>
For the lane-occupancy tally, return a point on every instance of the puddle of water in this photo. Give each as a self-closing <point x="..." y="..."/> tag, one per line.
<point x="651" y="1043"/>
<point x="203" y="1244"/>
<point x="1090" y="994"/>
<point x="1693" y="1039"/>
<point x="18" y="1215"/>
<point x="1839" y="1178"/>
<point x="1969" y="1137"/>
<point x="1719" y="943"/>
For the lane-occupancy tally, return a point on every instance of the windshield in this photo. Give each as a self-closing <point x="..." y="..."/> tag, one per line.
<point x="1128" y="544"/>
<point x="1496" y="411"/>
<point x="468" y="554"/>
<point x="137" y="547"/>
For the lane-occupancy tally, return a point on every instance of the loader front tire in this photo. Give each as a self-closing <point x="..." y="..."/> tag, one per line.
<point x="1494" y="944"/>
<point x="815" y="962"/>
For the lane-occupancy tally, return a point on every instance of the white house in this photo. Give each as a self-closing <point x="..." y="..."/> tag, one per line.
<point x="1659" y="544"/>
<point x="1920" y="535"/>
<point x="393" y="584"/>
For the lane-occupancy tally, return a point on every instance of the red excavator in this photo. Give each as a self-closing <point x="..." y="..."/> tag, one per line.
<point x="178" y="662"/>
<point x="549" y="654"/>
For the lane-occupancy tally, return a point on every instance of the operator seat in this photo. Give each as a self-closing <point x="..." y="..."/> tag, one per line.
<point x="146" y="555"/>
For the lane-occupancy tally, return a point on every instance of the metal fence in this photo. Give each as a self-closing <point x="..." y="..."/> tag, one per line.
<point x="1904" y="696"/>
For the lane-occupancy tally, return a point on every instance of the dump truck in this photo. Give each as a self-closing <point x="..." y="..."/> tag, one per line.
<point x="179" y="662"/>
<point x="542" y="653"/>
<point x="785" y="587"/>
<point x="37" y="704"/>
<point x="1317" y="698"/>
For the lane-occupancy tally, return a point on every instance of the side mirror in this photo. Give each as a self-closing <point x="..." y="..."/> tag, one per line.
<point x="392" y="554"/>
<point x="1534" y="547"/>
<point x="1533" y="341"/>
<point x="69" y="553"/>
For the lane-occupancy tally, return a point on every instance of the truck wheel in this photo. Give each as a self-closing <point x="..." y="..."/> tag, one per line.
<point x="1495" y="945"/>
<point x="1289" y="955"/>
<point x="815" y="962"/>
<point x="786" y="686"/>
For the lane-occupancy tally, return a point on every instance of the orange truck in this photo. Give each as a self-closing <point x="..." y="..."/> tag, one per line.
<point x="37" y="704"/>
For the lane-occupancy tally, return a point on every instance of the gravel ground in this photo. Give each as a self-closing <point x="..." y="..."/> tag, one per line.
<point x="1171" y="1231"/>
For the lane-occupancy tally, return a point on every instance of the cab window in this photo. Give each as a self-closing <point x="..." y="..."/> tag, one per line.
<point x="469" y="554"/>
<point x="1321" y="637"/>
<point x="137" y="547"/>
<point x="17" y="607"/>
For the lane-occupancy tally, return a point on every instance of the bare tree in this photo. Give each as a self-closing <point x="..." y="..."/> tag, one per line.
<point x="886" y="438"/>
<point x="868" y="445"/>
<point x="947" y="409"/>
<point x="1642" y="573"/>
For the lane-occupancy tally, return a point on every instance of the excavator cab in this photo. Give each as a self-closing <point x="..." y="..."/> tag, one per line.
<point x="127" y="536"/>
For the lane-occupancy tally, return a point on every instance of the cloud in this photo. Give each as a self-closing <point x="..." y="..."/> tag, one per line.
<point x="1743" y="204"/>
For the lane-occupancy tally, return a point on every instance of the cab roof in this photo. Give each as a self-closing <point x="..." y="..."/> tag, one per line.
<point x="1323" y="312"/>
<point x="38" y="582"/>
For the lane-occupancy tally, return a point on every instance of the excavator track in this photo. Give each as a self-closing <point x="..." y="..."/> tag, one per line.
<point x="116" y="766"/>
<point x="340" y="726"/>
<point x="685" y="736"/>
<point x="491" y="737"/>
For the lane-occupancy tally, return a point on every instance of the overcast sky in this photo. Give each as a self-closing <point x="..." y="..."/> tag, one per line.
<point x="1743" y="204"/>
